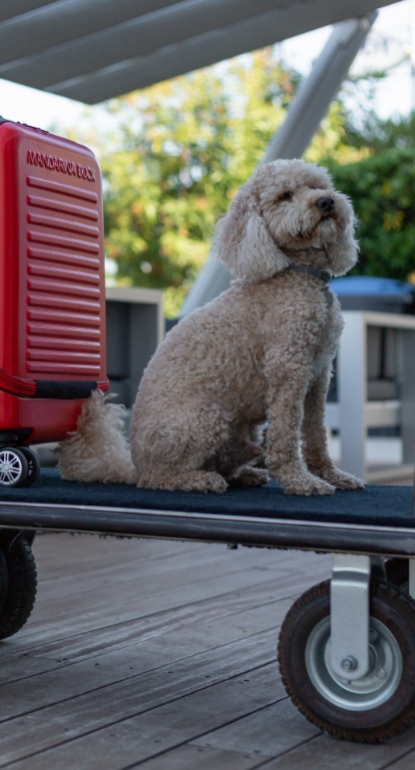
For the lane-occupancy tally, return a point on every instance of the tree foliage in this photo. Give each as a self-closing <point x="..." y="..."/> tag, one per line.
<point x="381" y="186"/>
<point x="182" y="149"/>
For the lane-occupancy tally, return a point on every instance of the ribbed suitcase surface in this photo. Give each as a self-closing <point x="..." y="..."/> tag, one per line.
<point x="63" y="286"/>
<point x="52" y="291"/>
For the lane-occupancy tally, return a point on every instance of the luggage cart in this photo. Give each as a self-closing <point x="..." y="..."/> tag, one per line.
<point x="347" y="646"/>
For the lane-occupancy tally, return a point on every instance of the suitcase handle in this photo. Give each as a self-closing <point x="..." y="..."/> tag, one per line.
<point x="68" y="389"/>
<point x="59" y="389"/>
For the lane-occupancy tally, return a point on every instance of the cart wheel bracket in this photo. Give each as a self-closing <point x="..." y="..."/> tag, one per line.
<point x="349" y="600"/>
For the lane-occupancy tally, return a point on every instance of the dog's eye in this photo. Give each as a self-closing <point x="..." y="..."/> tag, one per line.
<point x="286" y="195"/>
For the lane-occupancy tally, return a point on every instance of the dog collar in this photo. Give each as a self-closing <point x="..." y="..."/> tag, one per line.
<point x="322" y="275"/>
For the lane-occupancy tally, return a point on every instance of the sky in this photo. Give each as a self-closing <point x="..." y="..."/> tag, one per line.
<point x="388" y="42"/>
<point x="390" y="39"/>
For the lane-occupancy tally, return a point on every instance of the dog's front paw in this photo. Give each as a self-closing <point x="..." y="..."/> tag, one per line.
<point x="342" y="480"/>
<point x="306" y="484"/>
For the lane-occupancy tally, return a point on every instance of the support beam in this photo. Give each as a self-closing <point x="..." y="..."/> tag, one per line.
<point x="316" y="93"/>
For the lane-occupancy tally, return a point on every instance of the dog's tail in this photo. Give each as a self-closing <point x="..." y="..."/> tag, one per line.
<point x="98" y="450"/>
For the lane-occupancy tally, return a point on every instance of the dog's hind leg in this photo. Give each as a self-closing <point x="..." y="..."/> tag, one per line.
<point x="187" y="481"/>
<point x="172" y="450"/>
<point x="236" y="460"/>
<point x="248" y="476"/>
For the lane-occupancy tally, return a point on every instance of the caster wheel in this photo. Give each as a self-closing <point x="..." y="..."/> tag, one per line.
<point x="371" y="709"/>
<point x="18" y="582"/>
<point x="33" y="466"/>
<point x="13" y="467"/>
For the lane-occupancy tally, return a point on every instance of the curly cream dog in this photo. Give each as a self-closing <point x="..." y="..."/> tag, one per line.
<point x="259" y="353"/>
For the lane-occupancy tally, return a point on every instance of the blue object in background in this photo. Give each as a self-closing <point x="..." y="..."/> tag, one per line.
<point x="364" y="292"/>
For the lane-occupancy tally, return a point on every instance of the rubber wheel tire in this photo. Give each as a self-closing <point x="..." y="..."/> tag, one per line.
<point x="18" y="583"/>
<point x="33" y="466"/>
<point x="13" y="467"/>
<point x="392" y="613"/>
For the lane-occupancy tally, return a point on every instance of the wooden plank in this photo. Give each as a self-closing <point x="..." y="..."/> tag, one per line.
<point x="134" y="583"/>
<point x="88" y="636"/>
<point x="106" y="562"/>
<point x="153" y="678"/>
<point x="91" y="554"/>
<point x="187" y="617"/>
<point x="177" y="644"/>
<point x="189" y="757"/>
<point x="126" y="741"/>
<point x="188" y="567"/>
<point x="17" y="655"/>
<point x="406" y="762"/>
<point x="326" y="753"/>
<point x="263" y="733"/>
<point x="185" y="604"/>
<point x="170" y="663"/>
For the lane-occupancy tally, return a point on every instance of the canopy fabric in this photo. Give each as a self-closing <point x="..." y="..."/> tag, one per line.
<point x="93" y="50"/>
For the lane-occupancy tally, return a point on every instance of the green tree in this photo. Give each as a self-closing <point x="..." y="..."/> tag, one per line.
<point x="183" y="149"/>
<point x="377" y="135"/>
<point x="381" y="185"/>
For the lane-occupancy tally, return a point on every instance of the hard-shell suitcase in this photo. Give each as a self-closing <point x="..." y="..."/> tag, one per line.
<point x="52" y="291"/>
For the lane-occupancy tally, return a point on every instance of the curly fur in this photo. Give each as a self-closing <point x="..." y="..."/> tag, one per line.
<point x="101" y="425"/>
<point x="260" y="353"/>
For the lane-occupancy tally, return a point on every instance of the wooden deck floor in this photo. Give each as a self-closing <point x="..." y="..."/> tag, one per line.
<point x="161" y="655"/>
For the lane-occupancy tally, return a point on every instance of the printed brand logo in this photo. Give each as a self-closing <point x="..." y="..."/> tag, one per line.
<point x="61" y="165"/>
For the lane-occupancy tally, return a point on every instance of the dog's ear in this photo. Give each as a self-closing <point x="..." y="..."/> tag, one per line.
<point x="243" y="243"/>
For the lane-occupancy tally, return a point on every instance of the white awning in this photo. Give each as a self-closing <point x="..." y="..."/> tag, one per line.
<point x="92" y="50"/>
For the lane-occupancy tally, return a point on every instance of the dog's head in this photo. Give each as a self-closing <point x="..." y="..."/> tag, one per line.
<point x="287" y="213"/>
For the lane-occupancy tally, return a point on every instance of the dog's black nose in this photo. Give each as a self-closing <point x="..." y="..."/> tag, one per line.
<point x="325" y="203"/>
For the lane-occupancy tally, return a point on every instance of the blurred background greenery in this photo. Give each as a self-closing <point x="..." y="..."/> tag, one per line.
<point x="181" y="149"/>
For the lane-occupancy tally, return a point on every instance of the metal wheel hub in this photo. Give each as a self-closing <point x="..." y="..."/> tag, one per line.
<point x="371" y="690"/>
<point x="10" y="467"/>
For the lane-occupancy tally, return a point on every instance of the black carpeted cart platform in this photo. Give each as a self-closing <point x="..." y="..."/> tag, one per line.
<point x="376" y="520"/>
<point x="347" y="646"/>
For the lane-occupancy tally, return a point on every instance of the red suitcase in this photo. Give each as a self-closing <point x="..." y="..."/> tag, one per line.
<point x="52" y="291"/>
